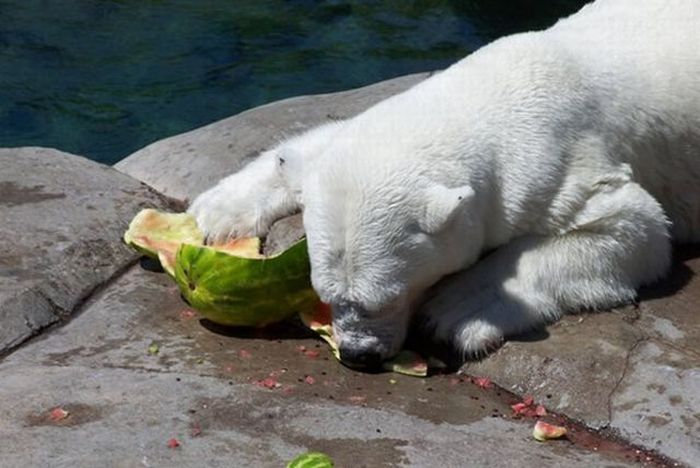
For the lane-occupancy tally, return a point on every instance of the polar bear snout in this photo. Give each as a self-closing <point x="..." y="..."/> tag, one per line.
<point x="365" y="339"/>
<point x="368" y="359"/>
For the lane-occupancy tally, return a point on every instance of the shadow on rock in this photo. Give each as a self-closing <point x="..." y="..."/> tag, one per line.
<point x="151" y="264"/>
<point x="678" y="277"/>
<point x="286" y="330"/>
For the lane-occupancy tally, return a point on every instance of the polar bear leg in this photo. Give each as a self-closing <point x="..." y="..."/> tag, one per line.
<point x="619" y="241"/>
<point x="248" y="202"/>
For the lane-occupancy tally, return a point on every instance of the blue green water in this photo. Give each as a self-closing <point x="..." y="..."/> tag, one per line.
<point x="103" y="78"/>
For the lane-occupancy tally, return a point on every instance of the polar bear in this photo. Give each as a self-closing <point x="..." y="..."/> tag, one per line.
<point x="550" y="169"/>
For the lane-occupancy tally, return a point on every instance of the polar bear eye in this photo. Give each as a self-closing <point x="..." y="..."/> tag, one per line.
<point x="413" y="228"/>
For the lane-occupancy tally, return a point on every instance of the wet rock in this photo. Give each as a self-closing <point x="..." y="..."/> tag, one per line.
<point x="201" y="388"/>
<point x="635" y="370"/>
<point x="283" y="234"/>
<point x="62" y="218"/>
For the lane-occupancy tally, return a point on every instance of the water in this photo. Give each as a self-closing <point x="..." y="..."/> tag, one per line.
<point x="103" y="78"/>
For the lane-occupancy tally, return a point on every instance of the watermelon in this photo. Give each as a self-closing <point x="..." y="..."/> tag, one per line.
<point x="230" y="283"/>
<point x="159" y="235"/>
<point x="545" y="431"/>
<point x="319" y="320"/>
<point x="311" y="460"/>
<point x="233" y="290"/>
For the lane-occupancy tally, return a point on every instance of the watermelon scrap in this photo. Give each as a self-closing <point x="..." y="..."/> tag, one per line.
<point x="311" y="460"/>
<point x="408" y="363"/>
<point x="187" y="314"/>
<point x="482" y="382"/>
<point x="528" y="408"/>
<point x="544" y="431"/>
<point x="58" y="414"/>
<point x="173" y="443"/>
<point x="270" y="383"/>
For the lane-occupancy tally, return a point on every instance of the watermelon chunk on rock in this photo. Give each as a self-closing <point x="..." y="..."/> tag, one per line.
<point x="545" y="431"/>
<point x="230" y="283"/>
<point x="233" y="290"/>
<point x="311" y="460"/>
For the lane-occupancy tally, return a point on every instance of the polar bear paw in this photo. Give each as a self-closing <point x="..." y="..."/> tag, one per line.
<point x="246" y="203"/>
<point x="225" y="212"/>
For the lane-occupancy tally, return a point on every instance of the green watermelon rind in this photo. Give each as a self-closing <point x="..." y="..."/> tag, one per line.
<point x="311" y="460"/>
<point x="237" y="291"/>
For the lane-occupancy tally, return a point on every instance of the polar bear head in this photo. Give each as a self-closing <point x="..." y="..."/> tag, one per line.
<point x="378" y="239"/>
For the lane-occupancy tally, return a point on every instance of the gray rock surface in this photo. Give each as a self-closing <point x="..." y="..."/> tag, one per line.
<point x="62" y="217"/>
<point x="283" y="234"/>
<point x="185" y="165"/>
<point x="201" y="388"/>
<point x="635" y="370"/>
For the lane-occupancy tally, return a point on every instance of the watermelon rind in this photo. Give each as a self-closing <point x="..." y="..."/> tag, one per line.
<point x="237" y="291"/>
<point x="311" y="460"/>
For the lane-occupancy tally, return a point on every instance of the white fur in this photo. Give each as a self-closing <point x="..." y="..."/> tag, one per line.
<point x="573" y="152"/>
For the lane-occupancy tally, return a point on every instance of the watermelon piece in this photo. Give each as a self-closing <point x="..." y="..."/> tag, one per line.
<point x="173" y="443"/>
<point x="528" y="408"/>
<point x="482" y="382"/>
<point x="545" y="431"/>
<point x="319" y="320"/>
<point x="311" y="460"/>
<point x="230" y="283"/>
<point x="233" y="290"/>
<point x="408" y="363"/>
<point x="159" y="235"/>
<point x="58" y="414"/>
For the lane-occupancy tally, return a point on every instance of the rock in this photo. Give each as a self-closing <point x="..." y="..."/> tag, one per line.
<point x="635" y="370"/>
<point x="283" y="234"/>
<point x="126" y="403"/>
<point x="185" y="165"/>
<point x="63" y="216"/>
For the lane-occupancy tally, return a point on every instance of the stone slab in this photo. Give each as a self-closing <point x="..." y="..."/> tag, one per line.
<point x="634" y="370"/>
<point x="125" y="402"/>
<point x="185" y="165"/>
<point x="62" y="218"/>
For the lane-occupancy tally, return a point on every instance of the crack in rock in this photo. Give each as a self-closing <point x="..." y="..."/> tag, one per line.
<point x="623" y="374"/>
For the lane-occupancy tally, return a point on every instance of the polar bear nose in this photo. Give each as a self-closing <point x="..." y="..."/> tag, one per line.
<point x="361" y="358"/>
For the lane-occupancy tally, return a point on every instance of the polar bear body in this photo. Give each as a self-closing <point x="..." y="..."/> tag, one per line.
<point x="567" y="151"/>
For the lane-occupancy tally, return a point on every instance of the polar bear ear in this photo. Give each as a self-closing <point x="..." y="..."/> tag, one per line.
<point x="443" y="204"/>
